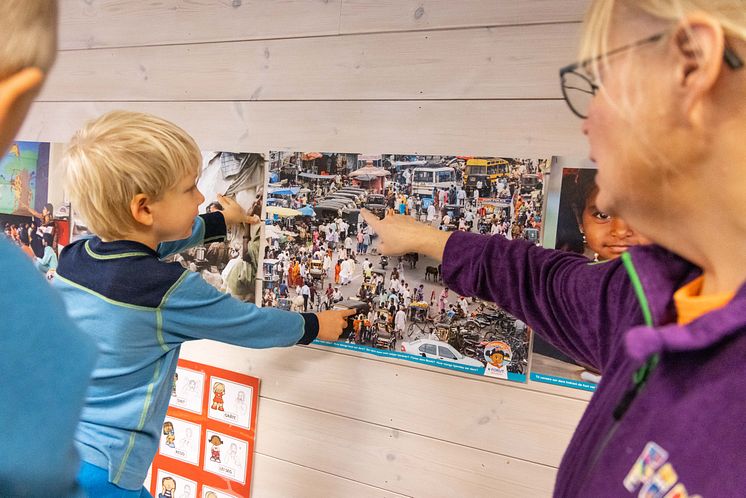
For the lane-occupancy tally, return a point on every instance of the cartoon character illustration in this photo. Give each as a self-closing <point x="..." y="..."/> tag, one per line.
<point x="210" y="494"/>
<point x="215" y="441"/>
<point x="233" y="459"/>
<point x="186" y="442"/>
<point x="189" y="392"/>
<point x="168" y="431"/>
<point x="186" y="492"/>
<point x="168" y="486"/>
<point x="218" y="390"/>
<point x="497" y="354"/>
<point x="173" y="386"/>
<point x="241" y="407"/>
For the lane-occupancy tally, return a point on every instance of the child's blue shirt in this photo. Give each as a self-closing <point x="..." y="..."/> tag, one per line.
<point x="139" y="310"/>
<point x="45" y="363"/>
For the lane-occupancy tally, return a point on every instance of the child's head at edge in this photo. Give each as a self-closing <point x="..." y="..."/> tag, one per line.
<point x="28" y="46"/>
<point x="131" y="175"/>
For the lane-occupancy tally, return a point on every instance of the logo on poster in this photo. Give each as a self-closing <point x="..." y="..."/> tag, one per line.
<point x="497" y="354"/>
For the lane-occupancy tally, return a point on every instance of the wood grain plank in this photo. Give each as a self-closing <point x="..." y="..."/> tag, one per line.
<point x="275" y="478"/>
<point x="392" y="459"/>
<point x="483" y="63"/>
<point x="394" y="15"/>
<point x="107" y="23"/>
<point x="512" y="128"/>
<point x="499" y="417"/>
<point x="122" y="23"/>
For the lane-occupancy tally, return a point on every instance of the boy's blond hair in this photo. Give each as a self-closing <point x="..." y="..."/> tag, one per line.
<point x="119" y="155"/>
<point x="28" y="35"/>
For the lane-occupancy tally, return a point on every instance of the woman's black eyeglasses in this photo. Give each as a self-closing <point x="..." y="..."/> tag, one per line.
<point x="578" y="89"/>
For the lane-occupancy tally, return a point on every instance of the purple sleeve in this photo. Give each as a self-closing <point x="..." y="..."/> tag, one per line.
<point x="580" y="308"/>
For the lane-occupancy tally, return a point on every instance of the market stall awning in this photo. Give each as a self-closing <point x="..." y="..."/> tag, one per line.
<point x="369" y="171"/>
<point x="307" y="211"/>
<point x="366" y="178"/>
<point x="408" y="164"/>
<point x="312" y="176"/>
<point x="283" y="190"/>
<point x="282" y="212"/>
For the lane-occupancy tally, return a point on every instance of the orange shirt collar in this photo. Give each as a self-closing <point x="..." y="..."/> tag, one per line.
<point x="690" y="305"/>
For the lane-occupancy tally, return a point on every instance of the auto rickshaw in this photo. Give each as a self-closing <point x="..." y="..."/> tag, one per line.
<point x="316" y="270"/>
<point x="384" y="322"/>
<point x="383" y="330"/>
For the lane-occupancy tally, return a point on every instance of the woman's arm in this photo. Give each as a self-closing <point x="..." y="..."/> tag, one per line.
<point x="580" y="308"/>
<point x="402" y="234"/>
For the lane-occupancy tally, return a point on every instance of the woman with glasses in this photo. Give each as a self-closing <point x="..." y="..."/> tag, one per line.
<point x="662" y="94"/>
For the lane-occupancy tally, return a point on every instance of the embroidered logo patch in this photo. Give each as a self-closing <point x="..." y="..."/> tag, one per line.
<point x="656" y="477"/>
<point x="651" y="458"/>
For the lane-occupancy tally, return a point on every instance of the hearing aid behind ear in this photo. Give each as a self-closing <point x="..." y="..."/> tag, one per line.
<point x="731" y="58"/>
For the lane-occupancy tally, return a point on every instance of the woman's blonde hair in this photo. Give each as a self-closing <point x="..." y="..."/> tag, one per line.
<point x="119" y="155"/>
<point x="597" y="27"/>
<point x="731" y="14"/>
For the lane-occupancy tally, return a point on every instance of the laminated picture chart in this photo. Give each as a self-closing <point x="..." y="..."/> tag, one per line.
<point x="320" y="254"/>
<point x="575" y="224"/>
<point x="207" y="443"/>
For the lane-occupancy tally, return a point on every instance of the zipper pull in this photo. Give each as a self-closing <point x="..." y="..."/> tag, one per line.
<point x="638" y="378"/>
<point x="623" y="405"/>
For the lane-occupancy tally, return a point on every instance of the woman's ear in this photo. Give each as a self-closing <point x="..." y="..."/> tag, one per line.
<point x="698" y="42"/>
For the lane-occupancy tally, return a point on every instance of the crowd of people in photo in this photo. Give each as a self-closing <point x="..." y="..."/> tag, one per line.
<point x="36" y="238"/>
<point x="322" y="262"/>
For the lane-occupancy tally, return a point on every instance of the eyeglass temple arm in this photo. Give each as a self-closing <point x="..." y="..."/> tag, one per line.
<point x="729" y="56"/>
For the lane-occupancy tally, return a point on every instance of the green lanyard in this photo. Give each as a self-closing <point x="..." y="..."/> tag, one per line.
<point x="642" y="374"/>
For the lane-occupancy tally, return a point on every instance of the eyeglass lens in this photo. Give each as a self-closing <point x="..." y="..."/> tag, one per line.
<point x="578" y="92"/>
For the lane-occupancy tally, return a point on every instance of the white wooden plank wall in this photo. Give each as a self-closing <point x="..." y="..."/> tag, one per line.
<point x="406" y="76"/>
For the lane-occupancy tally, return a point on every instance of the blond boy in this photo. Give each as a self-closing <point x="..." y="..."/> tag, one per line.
<point x="133" y="178"/>
<point x="44" y="359"/>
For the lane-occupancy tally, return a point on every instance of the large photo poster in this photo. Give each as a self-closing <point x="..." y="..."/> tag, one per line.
<point x="23" y="171"/>
<point x="575" y="224"/>
<point x="232" y="265"/>
<point x="30" y="214"/>
<point x="320" y="254"/>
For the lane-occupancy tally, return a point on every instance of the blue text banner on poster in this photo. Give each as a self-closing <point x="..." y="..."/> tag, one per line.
<point x="561" y="381"/>
<point x="414" y="358"/>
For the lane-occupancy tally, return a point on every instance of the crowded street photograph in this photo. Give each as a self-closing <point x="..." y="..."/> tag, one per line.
<point x="319" y="253"/>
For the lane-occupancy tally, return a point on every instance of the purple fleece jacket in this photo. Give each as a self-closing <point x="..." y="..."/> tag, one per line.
<point x="675" y="432"/>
